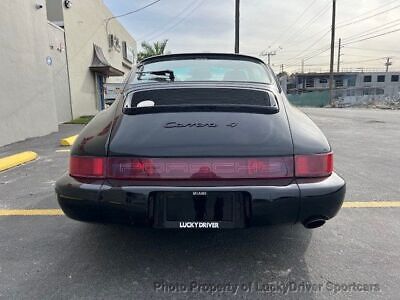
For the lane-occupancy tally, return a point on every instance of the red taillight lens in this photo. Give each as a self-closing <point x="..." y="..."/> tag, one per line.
<point x="319" y="165"/>
<point x="87" y="167"/>
<point x="199" y="168"/>
<point x="315" y="165"/>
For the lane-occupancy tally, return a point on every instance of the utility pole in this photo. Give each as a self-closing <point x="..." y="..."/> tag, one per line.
<point x="339" y="55"/>
<point x="302" y="66"/>
<point x="388" y="63"/>
<point x="269" y="54"/>
<point x="237" y="18"/>
<point x="332" y="51"/>
<point x="282" y="68"/>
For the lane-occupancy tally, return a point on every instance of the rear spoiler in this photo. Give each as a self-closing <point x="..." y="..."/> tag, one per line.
<point x="272" y="108"/>
<point x="255" y="109"/>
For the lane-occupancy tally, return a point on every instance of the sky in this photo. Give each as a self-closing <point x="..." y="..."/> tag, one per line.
<point x="295" y="29"/>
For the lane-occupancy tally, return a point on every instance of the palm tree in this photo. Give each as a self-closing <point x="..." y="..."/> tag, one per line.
<point x="157" y="48"/>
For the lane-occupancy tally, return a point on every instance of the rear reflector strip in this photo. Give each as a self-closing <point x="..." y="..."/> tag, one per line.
<point x="319" y="165"/>
<point x="200" y="168"/>
<point x="182" y="168"/>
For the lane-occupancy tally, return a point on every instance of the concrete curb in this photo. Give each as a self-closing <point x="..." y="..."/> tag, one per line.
<point x="11" y="161"/>
<point x="68" y="141"/>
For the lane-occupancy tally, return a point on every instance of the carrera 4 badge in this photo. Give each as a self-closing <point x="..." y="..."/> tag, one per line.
<point x="197" y="125"/>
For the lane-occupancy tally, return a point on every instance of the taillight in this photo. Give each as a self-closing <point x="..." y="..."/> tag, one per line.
<point x="319" y="165"/>
<point x="87" y="166"/>
<point x="315" y="165"/>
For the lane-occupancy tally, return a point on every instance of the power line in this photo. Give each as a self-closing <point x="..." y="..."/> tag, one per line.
<point x="178" y="22"/>
<point x="347" y="24"/>
<point x="307" y="24"/>
<point x="129" y="13"/>
<point x="296" y="43"/>
<point x="154" y="32"/>
<point x="358" y="55"/>
<point x="381" y="27"/>
<point x="315" y="53"/>
<point x="372" y="37"/>
<point x="373" y="50"/>
<point x="362" y="61"/>
<point x="323" y="30"/>
<point x="312" y="45"/>
<point x="353" y="38"/>
<point x="374" y="30"/>
<point x="284" y="32"/>
<point x="328" y="27"/>
<point x="134" y="11"/>
<point x="368" y="12"/>
<point x="367" y="18"/>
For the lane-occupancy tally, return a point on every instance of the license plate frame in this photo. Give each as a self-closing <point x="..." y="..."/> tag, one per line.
<point x="231" y="216"/>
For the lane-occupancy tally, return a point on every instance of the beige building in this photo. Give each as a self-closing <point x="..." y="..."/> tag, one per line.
<point x="27" y="106"/>
<point x="55" y="58"/>
<point x="99" y="50"/>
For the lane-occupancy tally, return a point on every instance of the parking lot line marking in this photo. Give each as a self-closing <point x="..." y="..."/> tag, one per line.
<point x="371" y="204"/>
<point x="11" y="161"/>
<point x="59" y="212"/>
<point x="68" y="141"/>
<point x="63" y="150"/>
<point x="31" y="212"/>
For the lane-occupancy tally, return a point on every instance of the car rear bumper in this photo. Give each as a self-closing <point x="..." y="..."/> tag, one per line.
<point x="295" y="202"/>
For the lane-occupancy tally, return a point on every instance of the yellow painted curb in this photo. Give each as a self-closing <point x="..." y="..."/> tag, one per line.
<point x="371" y="204"/>
<point x="68" y="141"/>
<point x="31" y="212"/>
<point x="16" y="160"/>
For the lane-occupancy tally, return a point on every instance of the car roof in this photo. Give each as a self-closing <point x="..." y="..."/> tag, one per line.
<point x="228" y="56"/>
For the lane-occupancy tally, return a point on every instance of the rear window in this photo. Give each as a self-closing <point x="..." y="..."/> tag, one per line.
<point x="206" y="69"/>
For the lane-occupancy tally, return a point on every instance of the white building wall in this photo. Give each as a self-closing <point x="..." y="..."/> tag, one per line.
<point x="27" y="107"/>
<point x="84" y="25"/>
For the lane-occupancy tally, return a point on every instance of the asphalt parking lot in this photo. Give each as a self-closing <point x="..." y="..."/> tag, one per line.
<point x="354" y="255"/>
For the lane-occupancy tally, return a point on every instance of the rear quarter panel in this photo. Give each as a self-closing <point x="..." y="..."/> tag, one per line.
<point x="93" y="139"/>
<point x="307" y="137"/>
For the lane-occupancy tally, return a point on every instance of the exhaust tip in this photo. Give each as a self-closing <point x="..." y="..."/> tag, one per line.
<point x="314" y="222"/>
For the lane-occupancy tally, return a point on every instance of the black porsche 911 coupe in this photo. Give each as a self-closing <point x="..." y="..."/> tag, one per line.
<point x="202" y="141"/>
